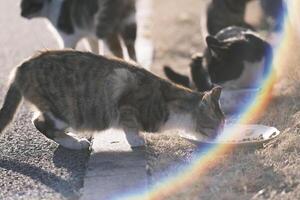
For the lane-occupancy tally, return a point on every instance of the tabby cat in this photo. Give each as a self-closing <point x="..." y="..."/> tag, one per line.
<point x="73" y="92"/>
<point x="92" y="19"/>
<point x="235" y="58"/>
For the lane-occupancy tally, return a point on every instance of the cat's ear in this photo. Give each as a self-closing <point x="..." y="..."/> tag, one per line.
<point x="256" y="40"/>
<point x="216" y="92"/>
<point x="216" y="46"/>
<point x="213" y="94"/>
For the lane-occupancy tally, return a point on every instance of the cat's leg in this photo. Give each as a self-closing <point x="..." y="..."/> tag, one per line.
<point x="129" y="34"/>
<point x="55" y="129"/>
<point x="130" y="125"/>
<point x="94" y="44"/>
<point x="200" y="75"/>
<point x="69" y="41"/>
<point x="113" y="42"/>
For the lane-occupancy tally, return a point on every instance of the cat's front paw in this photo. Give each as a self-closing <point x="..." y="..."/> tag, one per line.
<point x="74" y="143"/>
<point x="84" y="144"/>
<point x="138" y="142"/>
<point x="134" y="139"/>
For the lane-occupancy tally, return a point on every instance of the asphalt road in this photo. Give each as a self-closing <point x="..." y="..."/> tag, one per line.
<point x="31" y="166"/>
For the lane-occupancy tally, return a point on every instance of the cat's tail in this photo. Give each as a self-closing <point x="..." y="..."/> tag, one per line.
<point x="176" y="77"/>
<point x="11" y="103"/>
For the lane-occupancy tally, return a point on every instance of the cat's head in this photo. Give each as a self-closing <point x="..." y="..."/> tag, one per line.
<point x="199" y="114"/>
<point x="226" y="57"/>
<point x="33" y="8"/>
<point x="208" y="116"/>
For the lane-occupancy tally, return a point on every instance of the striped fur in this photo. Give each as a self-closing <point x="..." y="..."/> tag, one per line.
<point x="83" y="92"/>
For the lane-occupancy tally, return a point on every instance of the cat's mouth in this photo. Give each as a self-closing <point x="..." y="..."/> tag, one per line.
<point x="205" y="135"/>
<point x="209" y="133"/>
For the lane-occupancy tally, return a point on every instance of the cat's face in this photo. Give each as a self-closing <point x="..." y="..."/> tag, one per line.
<point x="208" y="116"/>
<point x="226" y="59"/>
<point x="32" y="8"/>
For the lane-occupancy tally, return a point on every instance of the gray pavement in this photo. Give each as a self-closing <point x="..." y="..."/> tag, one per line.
<point x="114" y="168"/>
<point x="31" y="166"/>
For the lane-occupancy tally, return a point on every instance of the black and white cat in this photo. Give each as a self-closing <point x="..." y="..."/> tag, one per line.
<point x="108" y="20"/>
<point x="235" y="58"/>
<point x="219" y="14"/>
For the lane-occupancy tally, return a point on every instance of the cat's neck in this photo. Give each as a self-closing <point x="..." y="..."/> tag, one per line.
<point x="176" y="120"/>
<point x="181" y="104"/>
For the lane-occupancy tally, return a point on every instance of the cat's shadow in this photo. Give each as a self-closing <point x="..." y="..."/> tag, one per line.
<point x="51" y="180"/>
<point x="61" y="155"/>
<point x="63" y="158"/>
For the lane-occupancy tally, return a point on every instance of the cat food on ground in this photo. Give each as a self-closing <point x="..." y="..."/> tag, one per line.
<point x="240" y="134"/>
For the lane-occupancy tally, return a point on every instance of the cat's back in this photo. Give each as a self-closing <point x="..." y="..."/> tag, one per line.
<point x="77" y="68"/>
<point x="80" y="87"/>
<point x="64" y="62"/>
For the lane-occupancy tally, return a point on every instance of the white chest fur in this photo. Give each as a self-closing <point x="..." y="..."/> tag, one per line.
<point x="179" y="121"/>
<point x="52" y="12"/>
<point x="251" y="76"/>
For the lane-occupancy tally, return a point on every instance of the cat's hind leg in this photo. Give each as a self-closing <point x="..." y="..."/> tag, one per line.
<point x="55" y="129"/>
<point x="129" y="34"/>
<point x="69" y="41"/>
<point x="94" y="44"/>
<point x="113" y="42"/>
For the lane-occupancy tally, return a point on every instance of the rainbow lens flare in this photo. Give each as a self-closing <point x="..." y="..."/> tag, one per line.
<point x="207" y="156"/>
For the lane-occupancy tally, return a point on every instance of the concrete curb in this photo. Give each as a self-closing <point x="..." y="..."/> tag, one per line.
<point x="114" y="169"/>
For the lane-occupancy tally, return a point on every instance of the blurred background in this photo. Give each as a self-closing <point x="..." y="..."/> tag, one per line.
<point x="32" y="167"/>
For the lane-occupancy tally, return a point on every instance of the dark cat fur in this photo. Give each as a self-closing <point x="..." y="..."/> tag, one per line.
<point x="77" y="91"/>
<point x="224" y="13"/>
<point x="229" y="55"/>
<point x="220" y="14"/>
